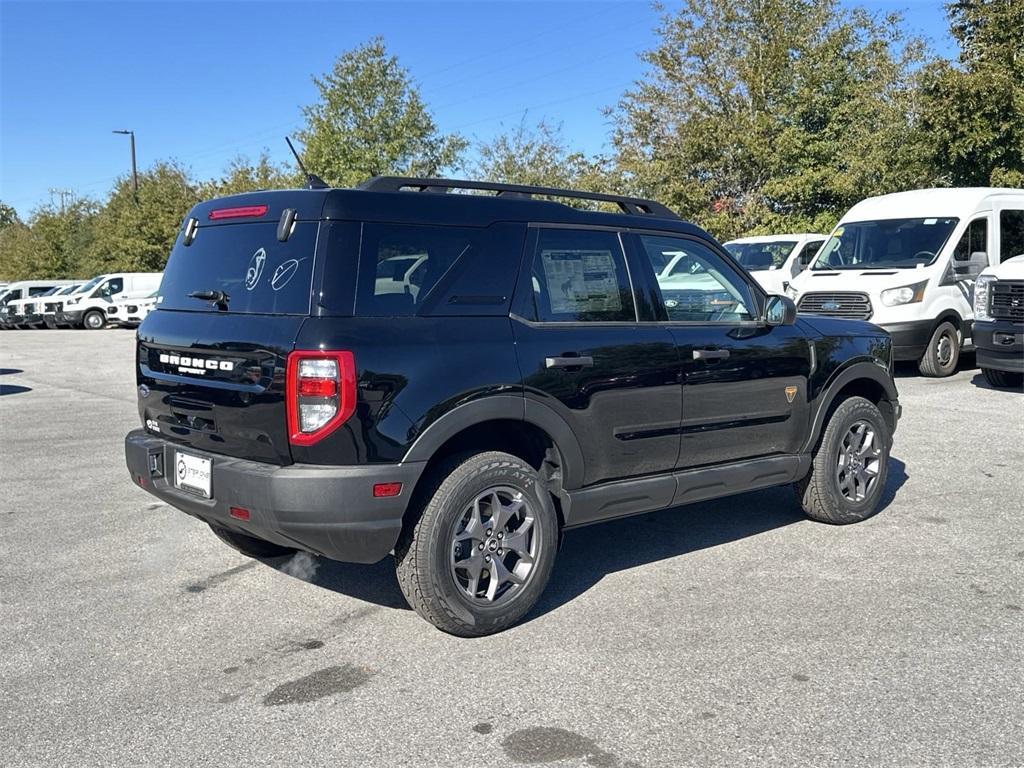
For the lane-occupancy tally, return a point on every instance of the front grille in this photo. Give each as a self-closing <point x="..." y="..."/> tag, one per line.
<point x="1006" y="301"/>
<point x="853" y="306"/>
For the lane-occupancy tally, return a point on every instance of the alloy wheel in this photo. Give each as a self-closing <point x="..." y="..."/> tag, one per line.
<point x="859" y="461"/>
<point x="495" y="546"/>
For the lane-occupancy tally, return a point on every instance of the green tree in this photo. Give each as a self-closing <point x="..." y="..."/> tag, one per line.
<point x="138" y="235"/>
<point x="8" y="216"/>
<point x="539" y="156"/>
<point x="971" y="127"/>
<point x="370" y="120"/>
<point x="243" y="176"/>
<point x="53" y="243"/>
<point x="761" y="115"/>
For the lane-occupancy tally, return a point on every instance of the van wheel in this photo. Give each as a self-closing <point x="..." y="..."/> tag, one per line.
<point x="482" y="550"/>
<point x="942" y="353"/>
<point x="250" y="545"/>
<point x="850" y="467"/>
<point x="94" y="320"/>
<point x="1004" y="379"/>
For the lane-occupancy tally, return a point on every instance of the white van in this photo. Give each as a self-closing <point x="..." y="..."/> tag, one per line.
<point x="11" y="305"/>
<point x="999" y="322"/>
<point x="908" y="261"/>
<point x="774" y="260"/>
<point x="87" y="307"/>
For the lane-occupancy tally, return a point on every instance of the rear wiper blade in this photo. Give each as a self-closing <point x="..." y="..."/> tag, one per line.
<point x="218" y="298"/>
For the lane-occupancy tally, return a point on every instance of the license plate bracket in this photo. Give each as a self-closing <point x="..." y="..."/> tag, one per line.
<point x="193" y="474"/>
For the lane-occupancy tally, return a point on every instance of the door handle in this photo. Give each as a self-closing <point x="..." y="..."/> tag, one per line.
<point x="710" y="354"/>
<point x="569" y="361"/>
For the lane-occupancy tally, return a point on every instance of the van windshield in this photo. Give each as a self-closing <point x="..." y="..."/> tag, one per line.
<point x="757" y="257"/>
<point x="89" y="285"/>
<point x="885" y="244"/>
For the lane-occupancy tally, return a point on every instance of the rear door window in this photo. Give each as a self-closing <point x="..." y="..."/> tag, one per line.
<point x="581" y="276"/>
<point x="259" y="274"/>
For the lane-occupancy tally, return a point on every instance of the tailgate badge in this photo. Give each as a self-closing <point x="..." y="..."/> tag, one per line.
<point x="196" y="365"/>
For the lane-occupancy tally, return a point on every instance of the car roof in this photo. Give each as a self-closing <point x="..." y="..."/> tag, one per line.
<point x="924" y="203"/>
<point x="452" y="209"/>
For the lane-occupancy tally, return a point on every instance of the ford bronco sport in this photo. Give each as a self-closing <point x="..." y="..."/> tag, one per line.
<point x="457" y="372"/>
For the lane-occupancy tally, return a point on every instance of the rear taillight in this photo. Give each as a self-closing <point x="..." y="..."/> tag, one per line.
<point x="321" y="393"/>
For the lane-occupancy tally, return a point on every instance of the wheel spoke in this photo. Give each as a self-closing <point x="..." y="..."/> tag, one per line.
<point x="474" y="529"/>
<point x="867" y="444"/>
<point x="499" y="575"/>
<point x="519" y="540"/>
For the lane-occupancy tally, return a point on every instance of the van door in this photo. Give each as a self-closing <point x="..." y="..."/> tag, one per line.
<point x="964" y="267"/>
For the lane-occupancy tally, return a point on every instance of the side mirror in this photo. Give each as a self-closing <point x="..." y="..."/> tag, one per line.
<point x="972" y="265"/>
<point x="779" y="310"/>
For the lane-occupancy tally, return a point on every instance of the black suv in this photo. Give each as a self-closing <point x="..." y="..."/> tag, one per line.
<point x="457" y="372"/>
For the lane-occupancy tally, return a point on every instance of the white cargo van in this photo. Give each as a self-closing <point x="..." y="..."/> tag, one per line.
<point x="87" y="307"/>
<point x="774" y="260"/>
<point x="908" y="261"/>
<point x="11" y="307"/>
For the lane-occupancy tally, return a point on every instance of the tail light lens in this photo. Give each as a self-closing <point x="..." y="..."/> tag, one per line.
<point x="321" y="394"/>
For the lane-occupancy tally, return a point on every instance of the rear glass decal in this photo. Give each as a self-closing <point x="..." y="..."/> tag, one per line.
<point x="255" y="271"/>
<point x="284" y="273"/>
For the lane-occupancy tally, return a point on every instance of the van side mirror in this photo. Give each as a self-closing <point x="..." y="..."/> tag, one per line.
<point x="972" y="265"/>
<point x="779" y="310"/>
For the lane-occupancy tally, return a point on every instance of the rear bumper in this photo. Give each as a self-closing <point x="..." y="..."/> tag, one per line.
<point x="1000" y="345"/>
<point x="330" y="511"/>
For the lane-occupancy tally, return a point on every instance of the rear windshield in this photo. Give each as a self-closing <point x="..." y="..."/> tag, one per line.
<point x="259" y="274"/>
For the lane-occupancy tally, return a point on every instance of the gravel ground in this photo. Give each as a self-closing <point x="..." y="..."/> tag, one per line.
<point x="724" y="633"/>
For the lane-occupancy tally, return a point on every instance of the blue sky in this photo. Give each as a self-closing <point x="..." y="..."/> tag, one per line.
<point x="202" y="82"/>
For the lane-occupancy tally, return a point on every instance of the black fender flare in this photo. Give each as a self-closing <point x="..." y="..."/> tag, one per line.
<point x="860" y="369"/>
<point x="504" y="407"/>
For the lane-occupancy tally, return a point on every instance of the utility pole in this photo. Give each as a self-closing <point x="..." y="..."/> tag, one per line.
<point x="62" y="193"/>
<point x="135" y="173"/>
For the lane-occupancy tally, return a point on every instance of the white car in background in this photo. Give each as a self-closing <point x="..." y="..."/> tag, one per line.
<point x="130" y="312"/>
<point x="774" y="260"/>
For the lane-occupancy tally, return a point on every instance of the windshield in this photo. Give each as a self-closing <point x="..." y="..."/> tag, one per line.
<point x="757" y="257"/>
<point x="886" y="244"/>
<point x="90" y="285"/>
<point x="68" y="289"/>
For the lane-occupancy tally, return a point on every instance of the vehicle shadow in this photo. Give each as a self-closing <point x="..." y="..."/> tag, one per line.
<point x="589" y="554"/>
<point x="981" y="382"/>
<point x="10" y="371"/>
<point x="13" y="389"/>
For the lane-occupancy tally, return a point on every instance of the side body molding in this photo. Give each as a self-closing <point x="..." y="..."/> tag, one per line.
<point x="503" y="407"/>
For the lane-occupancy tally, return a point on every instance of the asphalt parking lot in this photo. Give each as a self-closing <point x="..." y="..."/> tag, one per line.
<point x="724" y="633"/>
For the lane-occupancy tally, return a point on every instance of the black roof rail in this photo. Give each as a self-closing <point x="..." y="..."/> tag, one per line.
<point x="635" y="206"/>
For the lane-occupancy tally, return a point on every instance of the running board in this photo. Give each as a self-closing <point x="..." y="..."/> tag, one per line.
<point x="647" y="494"/>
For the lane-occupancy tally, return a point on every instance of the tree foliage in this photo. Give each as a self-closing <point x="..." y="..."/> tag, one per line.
<point x="767" y="114"/>
<point x="370" y="120"/>
<point x="971" y="130"/>
<point x="539" y="155"/>
<point x="138" y="235"/>
<point x="243" y="176"/>
<point x="50" y="244"/>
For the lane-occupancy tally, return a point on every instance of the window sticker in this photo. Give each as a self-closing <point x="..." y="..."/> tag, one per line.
<point x="581" y="281"/>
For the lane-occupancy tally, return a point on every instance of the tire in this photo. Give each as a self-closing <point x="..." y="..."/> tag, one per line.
<point x="249" y="545"/>
<point x="1003" y="379"/>
<point x="457" y="525"/>
<point x="94" y="320"/>
<point x="823" y="494"/>
<point x="942" y="354"/>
